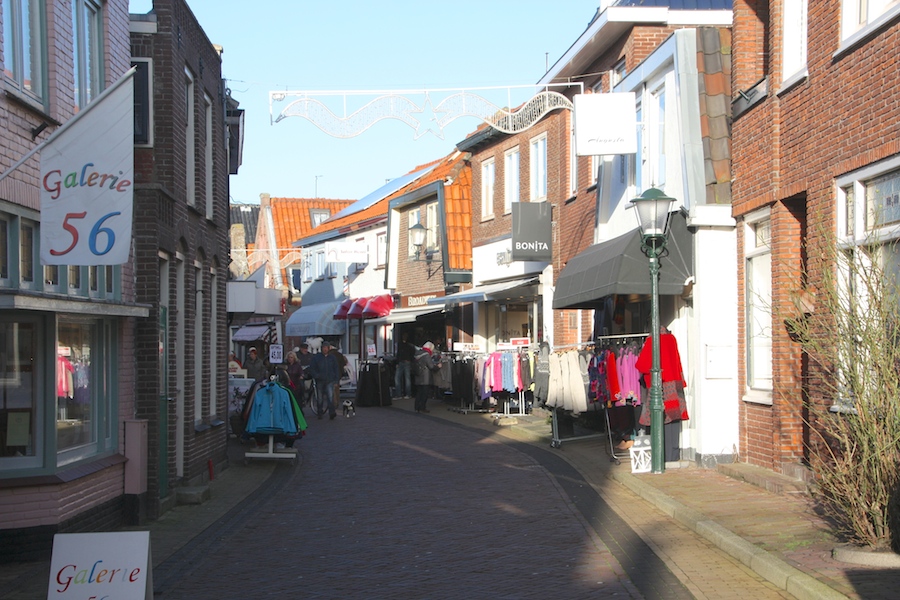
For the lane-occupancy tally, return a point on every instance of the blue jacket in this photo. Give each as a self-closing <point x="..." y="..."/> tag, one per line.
<point x="271" y="411"/>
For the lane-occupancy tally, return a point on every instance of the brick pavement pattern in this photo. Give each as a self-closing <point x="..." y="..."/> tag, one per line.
<point x="392" y="505"/>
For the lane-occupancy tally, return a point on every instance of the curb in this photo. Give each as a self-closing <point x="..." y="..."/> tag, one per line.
<point x="763" y="563"/>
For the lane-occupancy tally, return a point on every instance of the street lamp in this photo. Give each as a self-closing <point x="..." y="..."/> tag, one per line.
<point x="653" y="208"/>
<point x="417" y="234"/>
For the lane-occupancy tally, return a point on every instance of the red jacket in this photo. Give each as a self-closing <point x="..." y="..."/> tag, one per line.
<point x="669" y="359"/>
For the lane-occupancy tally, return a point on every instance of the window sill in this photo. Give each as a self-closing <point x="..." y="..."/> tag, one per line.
<point x="31" y="104"/>
<point x="792" y="81"/>
<point x="860" y="37"/>
<point x="763" y="397"/>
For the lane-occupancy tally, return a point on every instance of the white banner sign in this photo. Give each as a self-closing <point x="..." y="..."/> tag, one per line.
<point x="101" y="565"/>
<point x="87" y="175"/>
<point x="346" y="252"/>
<point x="605" y="124"/>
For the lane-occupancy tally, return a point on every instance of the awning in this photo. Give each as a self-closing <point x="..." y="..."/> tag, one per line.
<point x="356" y="309"/>
<point x="506" y="290"/>
<point x="342" y="309"/>
<point x="409" y="315"/>
<point x="252" y="332"/>
<point x="314" y="320"/>
<point x="618" y="266"/>
<point x="378" y="306"/>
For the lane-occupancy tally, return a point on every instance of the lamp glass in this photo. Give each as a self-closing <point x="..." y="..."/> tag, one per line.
<point x="653" y="208"/>
<point x="417" y="234"/>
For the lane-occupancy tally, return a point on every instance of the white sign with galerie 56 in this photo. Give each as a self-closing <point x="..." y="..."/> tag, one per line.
<point x="87" y="171"/>
<point x="101" y="565"/>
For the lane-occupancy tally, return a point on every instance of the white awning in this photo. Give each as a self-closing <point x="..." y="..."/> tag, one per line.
<point x="506" y="290"/>
<point x="251" y="332"/>
<point x="315" y="320"/>
<point x="409" y="315"/>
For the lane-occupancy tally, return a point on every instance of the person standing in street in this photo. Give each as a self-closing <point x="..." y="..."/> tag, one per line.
<point x="426" y="365"/>
<point x="406" y="354"/>
<point x="256" y="368"/>
<point x="326" y="370"/>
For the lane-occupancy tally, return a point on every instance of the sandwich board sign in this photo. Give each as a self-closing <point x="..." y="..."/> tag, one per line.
<point x="114" y="565"/>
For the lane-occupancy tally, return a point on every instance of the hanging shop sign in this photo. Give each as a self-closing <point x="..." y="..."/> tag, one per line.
<point x="87" y="171"/>
<point x="605" y="124"/>
<point x="532" y="233"/>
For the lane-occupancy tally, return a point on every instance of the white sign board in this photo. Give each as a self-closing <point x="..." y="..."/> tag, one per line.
<point x="605" y="124"/>
<point x="101" y="565"/>
<point x="276" y="354"/>
<point x="467" y="347"/>
<point x="346" y="252"/>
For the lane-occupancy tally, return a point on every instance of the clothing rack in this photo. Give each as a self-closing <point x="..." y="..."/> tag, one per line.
<point x="270" y="450"/>
<point x="615" y="454"/>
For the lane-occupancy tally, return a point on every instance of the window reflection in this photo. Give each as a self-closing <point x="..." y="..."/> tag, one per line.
<point x="17" y="410"/>
<point x="74" y="410"/>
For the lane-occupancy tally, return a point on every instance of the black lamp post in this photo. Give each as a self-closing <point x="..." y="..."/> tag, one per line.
<point x="653" y="208"/>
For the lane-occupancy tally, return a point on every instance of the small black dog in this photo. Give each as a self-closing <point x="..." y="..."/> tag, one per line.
<point x="349" y="408"/>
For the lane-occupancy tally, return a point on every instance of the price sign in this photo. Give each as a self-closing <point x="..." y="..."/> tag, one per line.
<point x="276" y="354"/>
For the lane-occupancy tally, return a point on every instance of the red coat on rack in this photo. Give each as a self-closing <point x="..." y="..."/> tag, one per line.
<point x="669" y="359"/>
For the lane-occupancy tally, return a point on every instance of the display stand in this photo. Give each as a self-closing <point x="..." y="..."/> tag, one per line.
<point x="271" y="451"/>
<point x="557" y="441"/>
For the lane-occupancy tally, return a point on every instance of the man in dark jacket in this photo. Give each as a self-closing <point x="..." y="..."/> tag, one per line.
<point x="325" y="368"/>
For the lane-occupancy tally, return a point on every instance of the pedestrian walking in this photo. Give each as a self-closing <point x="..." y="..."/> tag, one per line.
<point x="326" y="369"/>
<point x="426" y="365"/>
<point x="406" y="354"/>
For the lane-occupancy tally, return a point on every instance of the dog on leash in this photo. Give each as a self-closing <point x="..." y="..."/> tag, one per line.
<point x="349" y="408"/>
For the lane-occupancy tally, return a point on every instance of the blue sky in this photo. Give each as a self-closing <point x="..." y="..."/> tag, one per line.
<point x="303" y="45"/>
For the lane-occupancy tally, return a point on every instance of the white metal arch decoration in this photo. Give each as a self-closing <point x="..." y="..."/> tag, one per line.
<point x="427" y="118"/>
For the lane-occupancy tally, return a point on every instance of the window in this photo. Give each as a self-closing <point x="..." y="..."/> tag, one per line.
<point x="317" y="216"/>
<point x="510" y="179"/>
<point x="142" y="102"/>
<point x="658" y="137"/>
<point x="595" y="169"/>
<point x="538" y="168"/>
<point x="307" y="267"/>
<point x="617" y="74"/>
<point x="208" y="166"/>
<point x="361" y="243"/>
<point x="4" y="248"/>
<point x="27" y="251"/>
<point x="190" y="167"/>
<point x="487" y="189"/>
<point x="87" y="23"/>
<point x="381" y="249"/>
<point x="857" y="16"/>
<point x="432" y="224"/>
<point x="415" y="217"/>
<point x="199" y="320"/>
<point x="24" y="48"/>
<point x="758" y="307"/>
<point x="320" y="264"/>
<point x="794" y="37"/>
<point x="74" y="280"/>
<point x="573" y="166"/>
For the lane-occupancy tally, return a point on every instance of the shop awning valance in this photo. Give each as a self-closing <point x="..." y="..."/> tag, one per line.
<point x="378" y="306"/>
<point x="342" y="309"/>
<point x="356" y="309"/>
<point x="252" y="332"/>
<point x="409" y="315"/>
<point x="506" y="290"/>
<point x="618" y="266"/>
<point x="314" y="320"/>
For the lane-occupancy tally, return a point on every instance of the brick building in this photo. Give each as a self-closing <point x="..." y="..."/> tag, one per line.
<point x="67" y="359"/>
<point x="181" y="248"/>
<point x="815" y="128"/>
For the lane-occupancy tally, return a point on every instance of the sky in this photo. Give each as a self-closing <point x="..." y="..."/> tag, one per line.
<point x="366" y="45"/>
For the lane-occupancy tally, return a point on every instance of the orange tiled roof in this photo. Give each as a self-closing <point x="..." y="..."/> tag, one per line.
<point x="292" y="218"/>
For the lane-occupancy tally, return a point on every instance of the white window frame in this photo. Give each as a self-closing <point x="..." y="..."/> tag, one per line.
<point x="87" y="24"/>
<point x="794" y="35"/>
<point x="307" y="267"/>
<point x="317" y="216"/>
<point x="538" y="167"/>
<point x="414" y="217"/>
<point x="381" y="249"/>
<point x="190" y="142"/>
<point x="432" y="226"/>
<point x="860" y="18"/>
<point x="320" y="264"/>
<point x="573" y="166"/>
<point x="758" y="309"/>
<point x="17" y="70"/>
<point x="209" y="165"/>
<point x="199" y="319"/>
<point x="488" y="185"/>
<point x="511" y="178"/>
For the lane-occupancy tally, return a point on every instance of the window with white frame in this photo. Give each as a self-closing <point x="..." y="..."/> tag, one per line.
<point x="381" y="249"/>
<point x="208" y="167"/>
<point x="487" y="189"/>
<point x="794" y="38"/>
<point x="510" y="178"/>
<point x="617" y="73"/>
<point x="859" y="15"/>
<point x="595" y="169"/>
<point x="415" y="218"/>
<point x="657" y="137"/>
<point x="640" y="157"/>
<point x="27" y="252"/>
<point x="758" y="306"/>
<point x="25" y="48"/>
<point x="320" y="264"/>
<point x="190" y="167"/>
<point x="538" y="168"/>
<point x="317" y="216"/>
<point x="432" y="225"/>
<point x="307" y="266"/>
<point x="573" y="166"/>
<point x="87" y="39"/>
